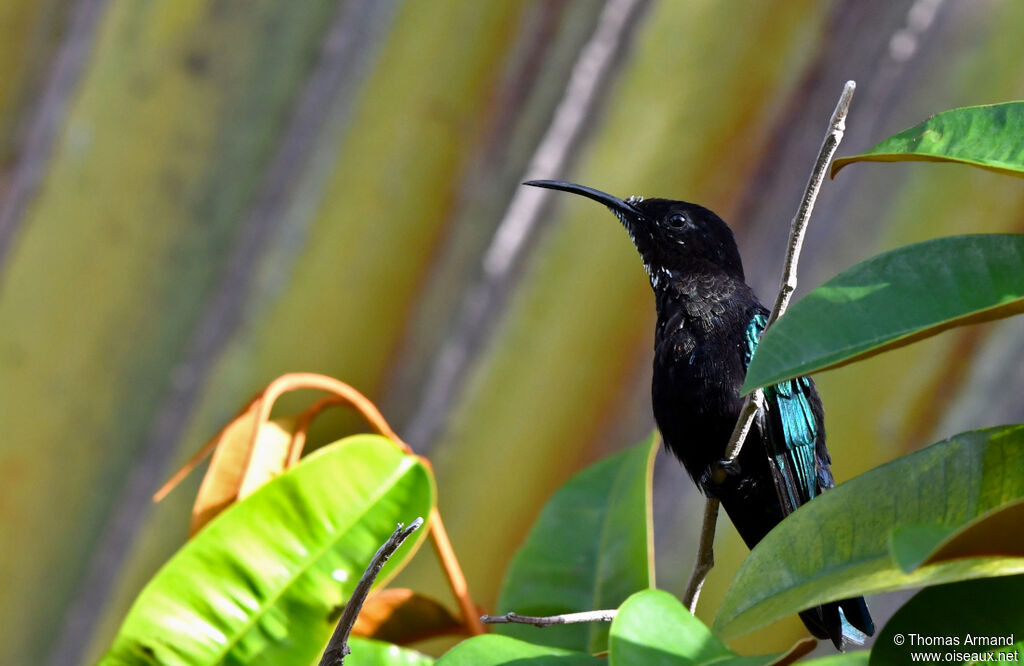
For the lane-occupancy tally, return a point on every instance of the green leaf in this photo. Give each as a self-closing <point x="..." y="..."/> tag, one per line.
<point x="843" y="534"/>
<point x="263" y="582"/>
<point x="891" y="300"/>
<point x="653" y="627"/>
<point x="590" y="549"/>
<point x="910" y="545"/>
<point x="966" y="618"/>
<point x="493" y="650"/>
<point x="981" y="136"/>
<point x="368" y="652"/>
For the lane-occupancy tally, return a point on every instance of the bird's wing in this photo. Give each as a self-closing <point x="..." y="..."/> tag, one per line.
<point x="793" y="432"/>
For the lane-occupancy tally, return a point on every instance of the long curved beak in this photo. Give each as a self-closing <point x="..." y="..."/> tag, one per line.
<point x="615" y="203"/>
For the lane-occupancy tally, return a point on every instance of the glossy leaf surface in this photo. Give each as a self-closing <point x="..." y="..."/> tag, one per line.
<point x="590" y="549"/>
<point x="367" y="652"/>
<point x="891" y="300"/>
<point x="494" y="650"/>
<point x="982" y="136"/>
<point x="843" y="535"/>
<point x="654" y="628"/>
<point x="262" y="582"/>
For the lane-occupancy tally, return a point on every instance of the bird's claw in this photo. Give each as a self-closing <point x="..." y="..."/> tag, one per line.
<point x="718" y="472"/>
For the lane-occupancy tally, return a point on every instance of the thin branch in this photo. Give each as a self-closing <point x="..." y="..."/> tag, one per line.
<point x="755" y="400"/>
<point x="337" y="647"/>
<point x="706" y="555"/>
<point x="551" y="620"/>
<point x="751" y="406"/>
<point x="836" y="129"/>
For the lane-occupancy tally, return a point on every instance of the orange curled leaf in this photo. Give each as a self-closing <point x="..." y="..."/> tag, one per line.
<point x="251" y="450"/>
<point x="308" y="380"/>
<point x="257" y="411"/>
<point x="247" y="456"/>
<point x="402" y="616"/>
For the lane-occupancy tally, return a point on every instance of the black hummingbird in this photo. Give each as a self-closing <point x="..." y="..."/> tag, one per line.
<point x="709" y="324"/>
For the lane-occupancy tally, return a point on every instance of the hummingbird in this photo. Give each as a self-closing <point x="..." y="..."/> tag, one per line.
<point x="708" y="327"/>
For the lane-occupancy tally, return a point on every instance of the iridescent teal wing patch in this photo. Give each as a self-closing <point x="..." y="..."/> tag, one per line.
<point x="790" y="431"/>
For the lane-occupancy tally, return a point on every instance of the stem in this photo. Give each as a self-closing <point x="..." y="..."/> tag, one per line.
<point x="755" y="400"/>
<point x="552" y="620"/>
<point x="337" y="647"/>
<point x="705" y="555"/>
<point x="456" y="579"/>
<point x="751" y="406"/>
<point x="836" y="129"/>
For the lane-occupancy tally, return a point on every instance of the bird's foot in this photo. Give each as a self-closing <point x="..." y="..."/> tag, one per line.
<point x="717" y="473"/>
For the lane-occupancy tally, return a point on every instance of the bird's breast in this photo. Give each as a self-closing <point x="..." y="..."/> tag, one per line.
<point x="695" y="393"/>
<point x="698" y="373"/>
<point x="699" y="362"/>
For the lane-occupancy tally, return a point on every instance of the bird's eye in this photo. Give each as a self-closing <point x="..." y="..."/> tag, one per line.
<point x="676" y="221"/>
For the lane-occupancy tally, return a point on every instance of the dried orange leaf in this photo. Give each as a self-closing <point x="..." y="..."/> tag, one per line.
<point x="270" y="457"/>
<point x="402" y="616"/>
<point x="240" y="465"/>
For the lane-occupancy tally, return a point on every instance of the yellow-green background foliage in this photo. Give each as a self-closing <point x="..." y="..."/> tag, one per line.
<point x="199" y="195"/>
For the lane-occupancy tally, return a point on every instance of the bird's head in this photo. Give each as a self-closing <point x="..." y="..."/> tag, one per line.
<point x="673" y="237"/>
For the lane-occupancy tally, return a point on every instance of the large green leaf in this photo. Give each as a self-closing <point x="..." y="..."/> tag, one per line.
<point x="368" y="652"/>
<point x="837" y="546"/>
<point x="590" y="549"/>
<point x="982" y="136"/>
<point x="891" y="300"/>
<point x="653" y="627"/>
<point x="262" y="583"/>
<point x="965" y="618"/>
<point x="494" y="650"/>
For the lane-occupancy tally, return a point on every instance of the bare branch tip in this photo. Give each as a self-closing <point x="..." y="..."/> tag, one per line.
<point x="413" y="526"/>
<point x="338" y="648"/>
<point x="843" y="105"/>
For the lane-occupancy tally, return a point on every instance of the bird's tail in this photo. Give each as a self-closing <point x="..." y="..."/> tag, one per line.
<point x="845" y="622"/>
